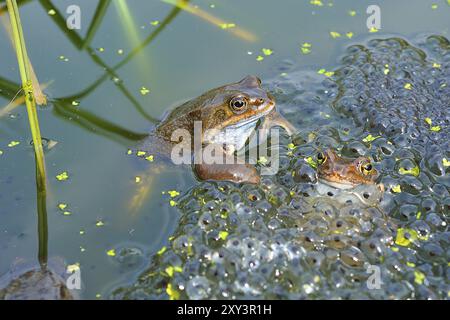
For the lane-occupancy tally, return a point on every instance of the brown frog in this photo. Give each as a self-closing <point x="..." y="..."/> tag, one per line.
<point x="344" y="173"/>
<point x="228" y="116"/>
<point x="343" y="180"/>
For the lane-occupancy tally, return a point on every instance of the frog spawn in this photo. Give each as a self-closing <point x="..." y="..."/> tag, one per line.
<point x="292" y="239"/>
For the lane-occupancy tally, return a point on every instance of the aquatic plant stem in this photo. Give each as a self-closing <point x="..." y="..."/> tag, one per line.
<point x="27" y="86"/>
<point x="25" y="74"/>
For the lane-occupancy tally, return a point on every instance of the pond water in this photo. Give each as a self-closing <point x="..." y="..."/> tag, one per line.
<point x="109" y="83"/>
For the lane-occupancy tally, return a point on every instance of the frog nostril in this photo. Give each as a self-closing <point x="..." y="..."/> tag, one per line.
<point x="259" y="101"/>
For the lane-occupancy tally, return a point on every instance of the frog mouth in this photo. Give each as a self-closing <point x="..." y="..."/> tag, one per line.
<point x="342" y="185"/>
<point x="249" y="121"/>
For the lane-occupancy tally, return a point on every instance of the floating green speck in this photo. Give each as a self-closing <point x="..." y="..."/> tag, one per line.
<point x="435" y="128"/>
<point x="62" y="176"/>
<point x="335" y="34"/>
<point x="434" y="6"/>
<point x="172" y="203"/>
<point x="370" y="138"/>
<point x="149" y="158"/>
<point x="13" y="143"/>
<point x="137" y="179"/>
<point x="227" y="25"/>
<point x="267" y="52"/>
<point x="410" y="264"/>
<point x="120" y="52"/>
<point x="311" y="162"/>
<point x="396" y="188"/>
<point x="316" y="3"/>
<point x="1" y="152"/>
<point x="173" y="294"/>
<point x="173" y="193"/>
<point x="408" y="86"/>
<point x="419" y="277"/>
<point x="75" y="103"/>
<point x="62" y="206"/>
<point x="291" y="146"/>
<point x="445" y="162"/>
<point x="432" y="128"/>
<point x="262" y="160"/>
<point x="413" y="171"/>
<point x="259" y="58"/>
<point x="99" y="223"/>
<point x="144" y="91"/>
<point x="349" y="35"/>
<point x="405" y="237"/>
<point x="352" y="13"/>
<point x="140" y="153"/>
<point x="306" y="48"/>
<point x="170" y="270"/>
<point x="436" y="65"/>
<point x="111" y="252"/>
<point x="223" y="235"/>
<point x="154" y="22"/>
<point x="162" y="250"/>
<point x="373" y="30"/>
<point x="325" y="72"/>
<point x="51" y="12"/>
<point x="71" y="268"/>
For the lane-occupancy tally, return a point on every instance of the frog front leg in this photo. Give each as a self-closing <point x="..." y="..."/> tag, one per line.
<point x="222" y="171"/>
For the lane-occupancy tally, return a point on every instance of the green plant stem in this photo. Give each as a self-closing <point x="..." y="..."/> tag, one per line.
<point x="25" y="75"/>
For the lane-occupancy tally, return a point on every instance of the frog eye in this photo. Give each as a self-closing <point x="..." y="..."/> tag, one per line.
<point x="238" y="104"/>
<point x="321" y="158"/>
<point x="366" y="168"/>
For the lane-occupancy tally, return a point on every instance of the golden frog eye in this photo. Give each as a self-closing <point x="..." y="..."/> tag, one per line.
<point x="238" y="104"/>
<point x="366" y="168"/>
<point x="321" y="158"/>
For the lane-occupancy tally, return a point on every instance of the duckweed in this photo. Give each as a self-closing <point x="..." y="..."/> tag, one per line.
<point x="62" y="176"/>
<point x="13" y="143"/>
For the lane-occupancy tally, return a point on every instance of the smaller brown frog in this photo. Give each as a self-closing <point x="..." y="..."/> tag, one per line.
<point x="343" y="180"/>
<point x="345" y="173"/>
